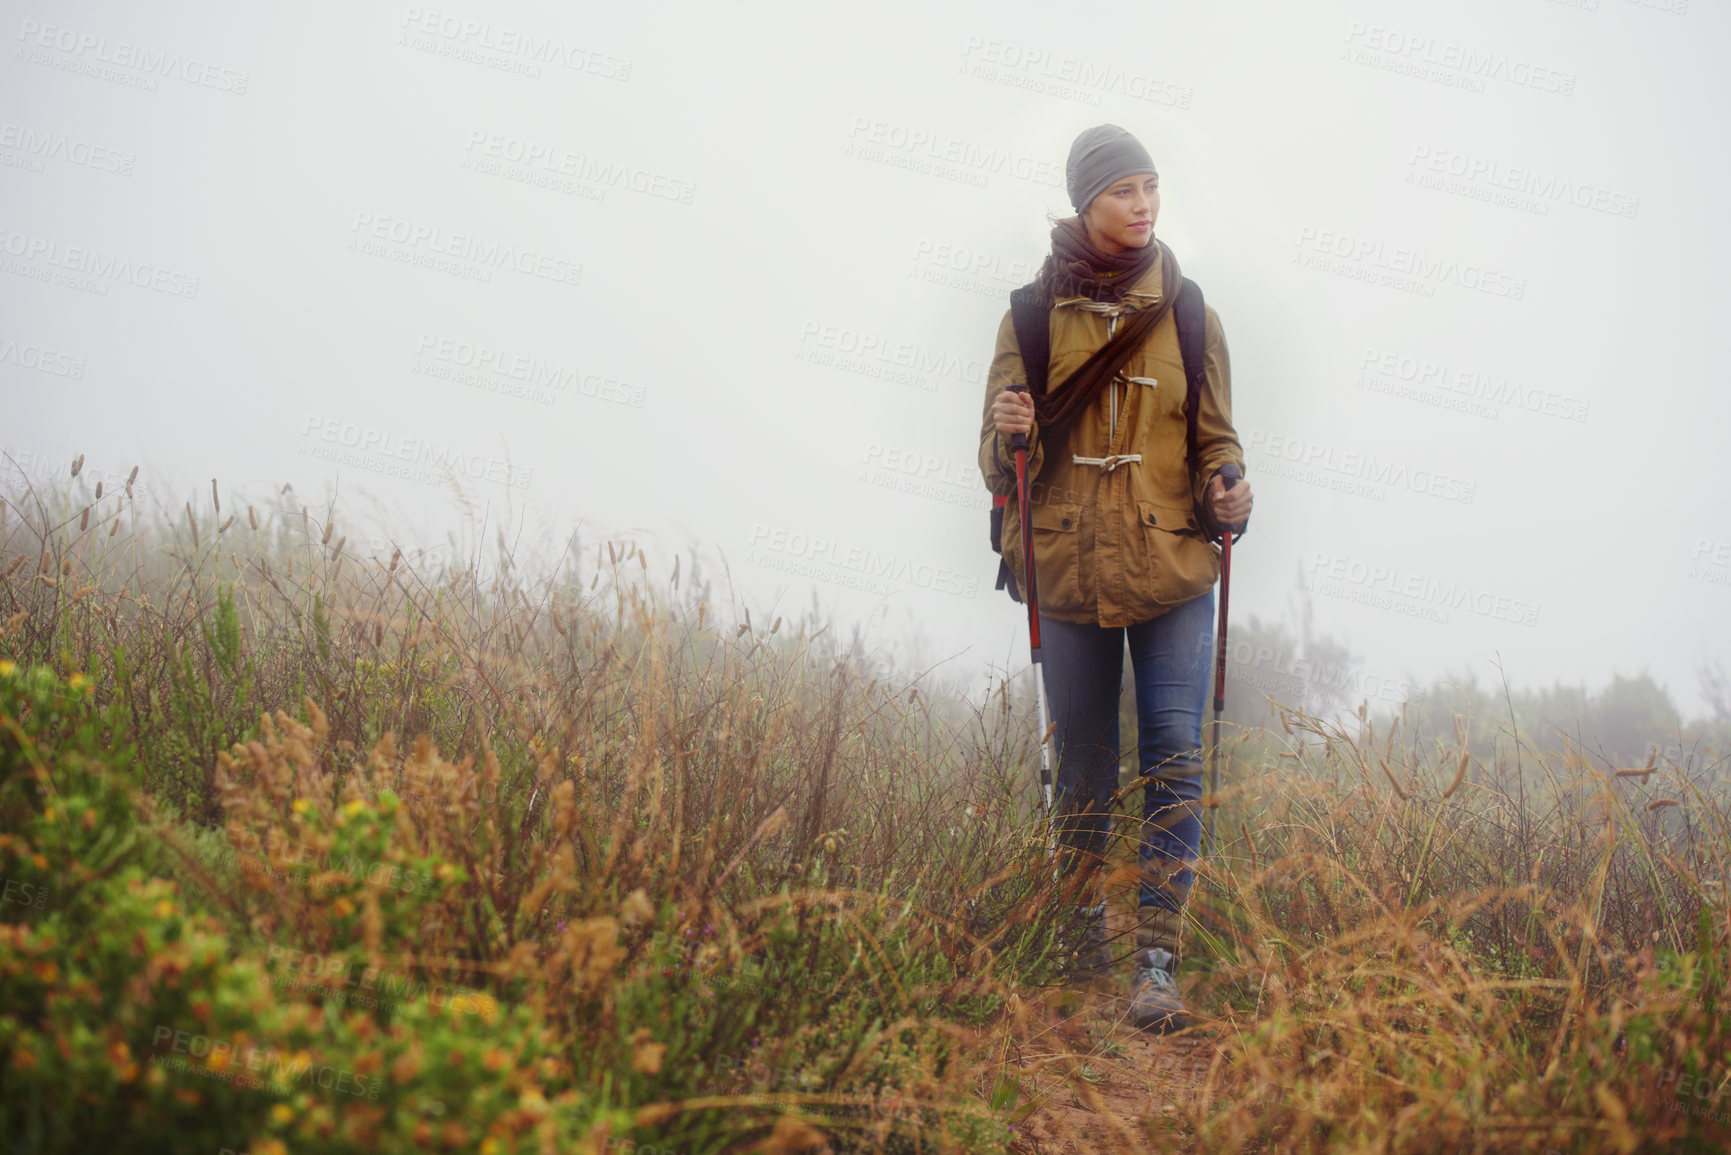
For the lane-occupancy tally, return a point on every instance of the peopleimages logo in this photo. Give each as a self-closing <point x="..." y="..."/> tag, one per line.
<point x="1512" y="185"/>
<point x="1365" y="258"/>
<point x="557" y="161"/>
<point x="1711" y="561"/>
<point x="1350" y="471"/>
<point x="923" y="475"/>
<point x="1446" y="61"/>
<point x="447" y="35"/>
<point x="105" y="267"/>
<point x="41" y="359"/>
<point x="910" y="355"/>
<point x="854" y="566"/>
<point x="1292" y="678"/>
<point x="873" y="139"/>
<point x="38" y="145"/>
<point x="1061" y="75"/>
<point x="86" y="47"/>
<point x="972" y="271"/>
<point x="1474" y="391"/>
<point x="1412" y="594"/>
<point x="239" y="1062"/>
<point x="370" y="229"/>
<point x="515" y="373"/>
<point x="415" y="458"/>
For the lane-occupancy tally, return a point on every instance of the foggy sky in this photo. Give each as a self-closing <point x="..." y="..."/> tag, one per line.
<point x="730" y="274"/>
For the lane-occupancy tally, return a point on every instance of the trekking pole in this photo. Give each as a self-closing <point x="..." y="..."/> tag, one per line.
<point x="1230" y="475"/>
<point x="1019" y="444"/>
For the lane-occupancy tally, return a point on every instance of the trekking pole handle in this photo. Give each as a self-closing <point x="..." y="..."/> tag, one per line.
<point x="1017" y="440"/>
<point x="1231" y="475"/>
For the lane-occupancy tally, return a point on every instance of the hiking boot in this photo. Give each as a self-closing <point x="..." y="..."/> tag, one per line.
<point x="1082" y="944"/>
<point x="1154" y="1001"/>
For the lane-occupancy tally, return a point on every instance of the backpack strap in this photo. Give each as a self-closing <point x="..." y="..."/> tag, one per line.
<point x="1192" y="340"/>
<point x="1033" y="322"/>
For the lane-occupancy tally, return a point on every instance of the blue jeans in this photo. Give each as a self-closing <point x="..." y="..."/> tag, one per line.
<point x="1084" y="664"/>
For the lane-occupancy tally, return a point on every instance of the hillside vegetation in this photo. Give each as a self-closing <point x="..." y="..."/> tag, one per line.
<point x="305" y="851"/>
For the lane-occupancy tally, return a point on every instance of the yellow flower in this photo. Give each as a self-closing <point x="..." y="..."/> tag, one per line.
<point x="301" y="806"/>
<point x="6" y="668"/>
<point x="163" y="908"/>
<point x="343" y="907"/>
<point x="354" y="807"/>
<point x="489" y="1146"/>
<point x="76" y="681"/>
<point x="282" y="1114"/>
<point x="48" y="813"/>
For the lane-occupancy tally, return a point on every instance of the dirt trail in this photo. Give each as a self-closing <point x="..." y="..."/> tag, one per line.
<point x="1099" y="1077"/>
<point x="1125" y="1074"/>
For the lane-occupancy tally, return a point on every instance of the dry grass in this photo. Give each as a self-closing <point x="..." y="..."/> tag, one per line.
<point x="761" y="888"/>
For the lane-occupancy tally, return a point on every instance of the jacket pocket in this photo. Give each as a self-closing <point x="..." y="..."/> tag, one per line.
<point x="1182" y="563"/>
<point x="1056" y="556"/>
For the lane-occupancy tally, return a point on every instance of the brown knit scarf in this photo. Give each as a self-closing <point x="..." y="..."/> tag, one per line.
<point x="1077" y="268"/>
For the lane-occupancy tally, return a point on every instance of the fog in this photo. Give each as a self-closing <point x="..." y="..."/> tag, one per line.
<point x="727" y="277"/>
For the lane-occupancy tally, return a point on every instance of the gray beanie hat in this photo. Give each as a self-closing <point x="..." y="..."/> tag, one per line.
<point x="1101" y="155"/>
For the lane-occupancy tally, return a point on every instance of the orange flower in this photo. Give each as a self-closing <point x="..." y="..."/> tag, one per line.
<point x="406" y="1066"/>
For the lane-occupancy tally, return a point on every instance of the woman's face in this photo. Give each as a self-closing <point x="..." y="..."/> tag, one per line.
<point x="1122" y="217"/>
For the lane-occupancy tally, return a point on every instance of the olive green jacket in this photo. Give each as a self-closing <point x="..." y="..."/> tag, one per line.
<point x="1116" y="541"/>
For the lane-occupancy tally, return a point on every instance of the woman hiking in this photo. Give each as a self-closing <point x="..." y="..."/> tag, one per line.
<point x="1123" y="524"/>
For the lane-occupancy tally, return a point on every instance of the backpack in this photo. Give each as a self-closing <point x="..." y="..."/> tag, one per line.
<point x="1034" y="338"/>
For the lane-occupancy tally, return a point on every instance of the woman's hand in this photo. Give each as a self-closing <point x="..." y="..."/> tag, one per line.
<point x="1013" y="412"/>
<point x="1229" y="506"/>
